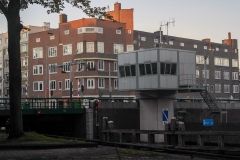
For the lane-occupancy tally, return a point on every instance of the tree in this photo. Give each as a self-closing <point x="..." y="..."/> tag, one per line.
<point x="11" y="10"/>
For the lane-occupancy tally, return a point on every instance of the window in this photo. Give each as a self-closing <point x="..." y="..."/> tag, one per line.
<point x="217" y="74"/>
<point x="99" y="30"/>
<point x="207" y="74"/>
<point x="101" y="83"/>
<point x="38" y="86"/>
<point x="90" y="84"/>
<point x="24" y="62"/>
<point x="217" y="88"/>
<point x="24" y="75"/>
<point x="67" y="84"/>
<point x="154" y="68"/>
<point x="212" y="88"/>
<point x="129" y="48"/>
<point x="66" y="67"/>
<point x="67" y="49"/>
<point x="194" y="46"/>
<point x="66" y="32"/>
<point x="226" y="75"/>
<point x="226" y="88"/>
<point x="197" y="73"/>
<point x="90" y="47"/>
<point x="155" y="40"/>
<point x="38" y="70"/>
<point x="236" y="51"/>
<point x="168" y="68"/>
<point x="53" y="68"/>
<point x="122" y="71"/>
<point x="89" y="30"/>
<point x="118" y="32"/>
<point x="201" y="59"/>
<point x="133" y="70"/>
<point x="235" y="89"/>
<point x="142" y="69"/>
<point x="127" y="71"/>
<point x="143" y="38"/>
<point x="217" y="49"/>
<point x="80" y="30"/>
<point x="234" y="63"/>
<point x="24" y="48"/>
<point x="90" y="65"/>
<point x="100" y="47"/>
<point x="234" y="75"/>
<point x="52" y="51"/>
<point x="115" y="83"/>
<point x="115" y="66"/>
<point x="217" y="61"/>
<point x="148" y="69"/>
<point x="60" y="85"/>
<point x="170" y="42"/>
<point x="129" y="31"/>
<point x="6" y="63"/>
<point x="52" y="37"/>
<point x="182" y="44"/>
<point x="225" y="62"/>
<point x="79" y="66"/>
<point x="225" y="50"/>
<point x="205" y="47"/>
<point x="80" y="47"/>
<point x="24" y="35"/>
<point x="52" y="85"/>
<point x="118" y="48"/>
<point x="37" y="39"/>
<point x="37" y="53"/>
<point x="100" y="65"/>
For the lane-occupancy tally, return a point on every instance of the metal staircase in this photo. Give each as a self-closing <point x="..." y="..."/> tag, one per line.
<point x="209" y="99"/>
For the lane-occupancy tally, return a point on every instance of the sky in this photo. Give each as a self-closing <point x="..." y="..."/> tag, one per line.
<point x="194" y="19"/>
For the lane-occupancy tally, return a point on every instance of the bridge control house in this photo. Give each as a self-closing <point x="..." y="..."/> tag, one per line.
<point x="157" y="75"/>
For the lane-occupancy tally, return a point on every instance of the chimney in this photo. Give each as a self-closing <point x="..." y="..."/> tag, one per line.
<point x="62" y="18"/>
<point x="117" y="6"/>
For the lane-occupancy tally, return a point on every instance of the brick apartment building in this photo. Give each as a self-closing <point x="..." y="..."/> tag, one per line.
<point x="92" y="41"/>
<point x="221" y="63"/>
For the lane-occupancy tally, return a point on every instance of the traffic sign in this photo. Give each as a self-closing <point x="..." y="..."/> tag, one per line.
<point x="207" y="122"/>
<point x="165" y="115"/>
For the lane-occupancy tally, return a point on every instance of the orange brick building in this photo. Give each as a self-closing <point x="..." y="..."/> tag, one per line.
<point x="93" y="41"/>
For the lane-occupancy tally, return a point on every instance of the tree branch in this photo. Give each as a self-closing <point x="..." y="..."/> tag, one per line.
<point x="3" y="9"/>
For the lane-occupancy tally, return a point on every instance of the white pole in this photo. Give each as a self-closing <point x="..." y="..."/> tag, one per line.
<point x="160" y="38"/>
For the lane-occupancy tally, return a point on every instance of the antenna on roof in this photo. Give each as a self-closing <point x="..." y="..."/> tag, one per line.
<point x="167" y="25"/>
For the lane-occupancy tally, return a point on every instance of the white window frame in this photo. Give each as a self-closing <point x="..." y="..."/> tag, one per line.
<point x="37" y="39"/>
<point x="90" y="83"/>
<point x="130" y="48"/>
<point x="52" y="84"/>
<point x="197" y="73"/>
<point x="235" y="88"/>
<point x="203" y="75"/>
<point x="37" y="53"/>
<point x="225" y="62"/>
<point x="200" y="59"/>
<point x="101" y="83"/>
<point x="118" y="31"/>
<point x="24" y="48"/>
<point x="118" y="48"/>
<point x="67" y="84"/>
<point x="226" y="75"/>
<point x="234" y="63"/>
<point x="217" y="49"/>
<point x="52" y="37"/>
<point x="235" y="75"/>
<point x="66" y="32"/>
<point x="217" y="88"/>
<point x="24" y="62"/>
<point x="39" y="85"/>
<point x="38" y="70"/>
<point x="182" y="44"/>
<point x="143" y="38"/>
<point x="59" y="85"/>
<point x="226" y="88"/>
<point x="170" y="42"/>
<point x="52" y="51"/>
<point x="236" y="51"/>
<point x="217" y="61"/>
<point x="225" y="50"/>
<point x="217" y="75"/>
<point x="80" y="47"/>
<point x="100" y="47"/>
<point x="115" y="67"/>
<point x="67" y="49"/>
<point x="90" y="47"/>
<point x="115" y="83"/>
<point x="91" y="64"/>
<point x="194" y="46"/>
<point x="101" y="65"/>
<point x="66" y="67"/>
<point x="24" y="35"/>
<point x="79" y="66"/>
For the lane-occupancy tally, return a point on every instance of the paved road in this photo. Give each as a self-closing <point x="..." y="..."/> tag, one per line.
<point x="101" y="152"/>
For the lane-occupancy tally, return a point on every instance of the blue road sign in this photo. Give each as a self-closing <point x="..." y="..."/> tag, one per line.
<point x="207" y="122"/>
<point x="165" y="115"/>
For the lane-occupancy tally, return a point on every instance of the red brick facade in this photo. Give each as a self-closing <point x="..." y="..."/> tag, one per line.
<point x="68" y="33"/>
